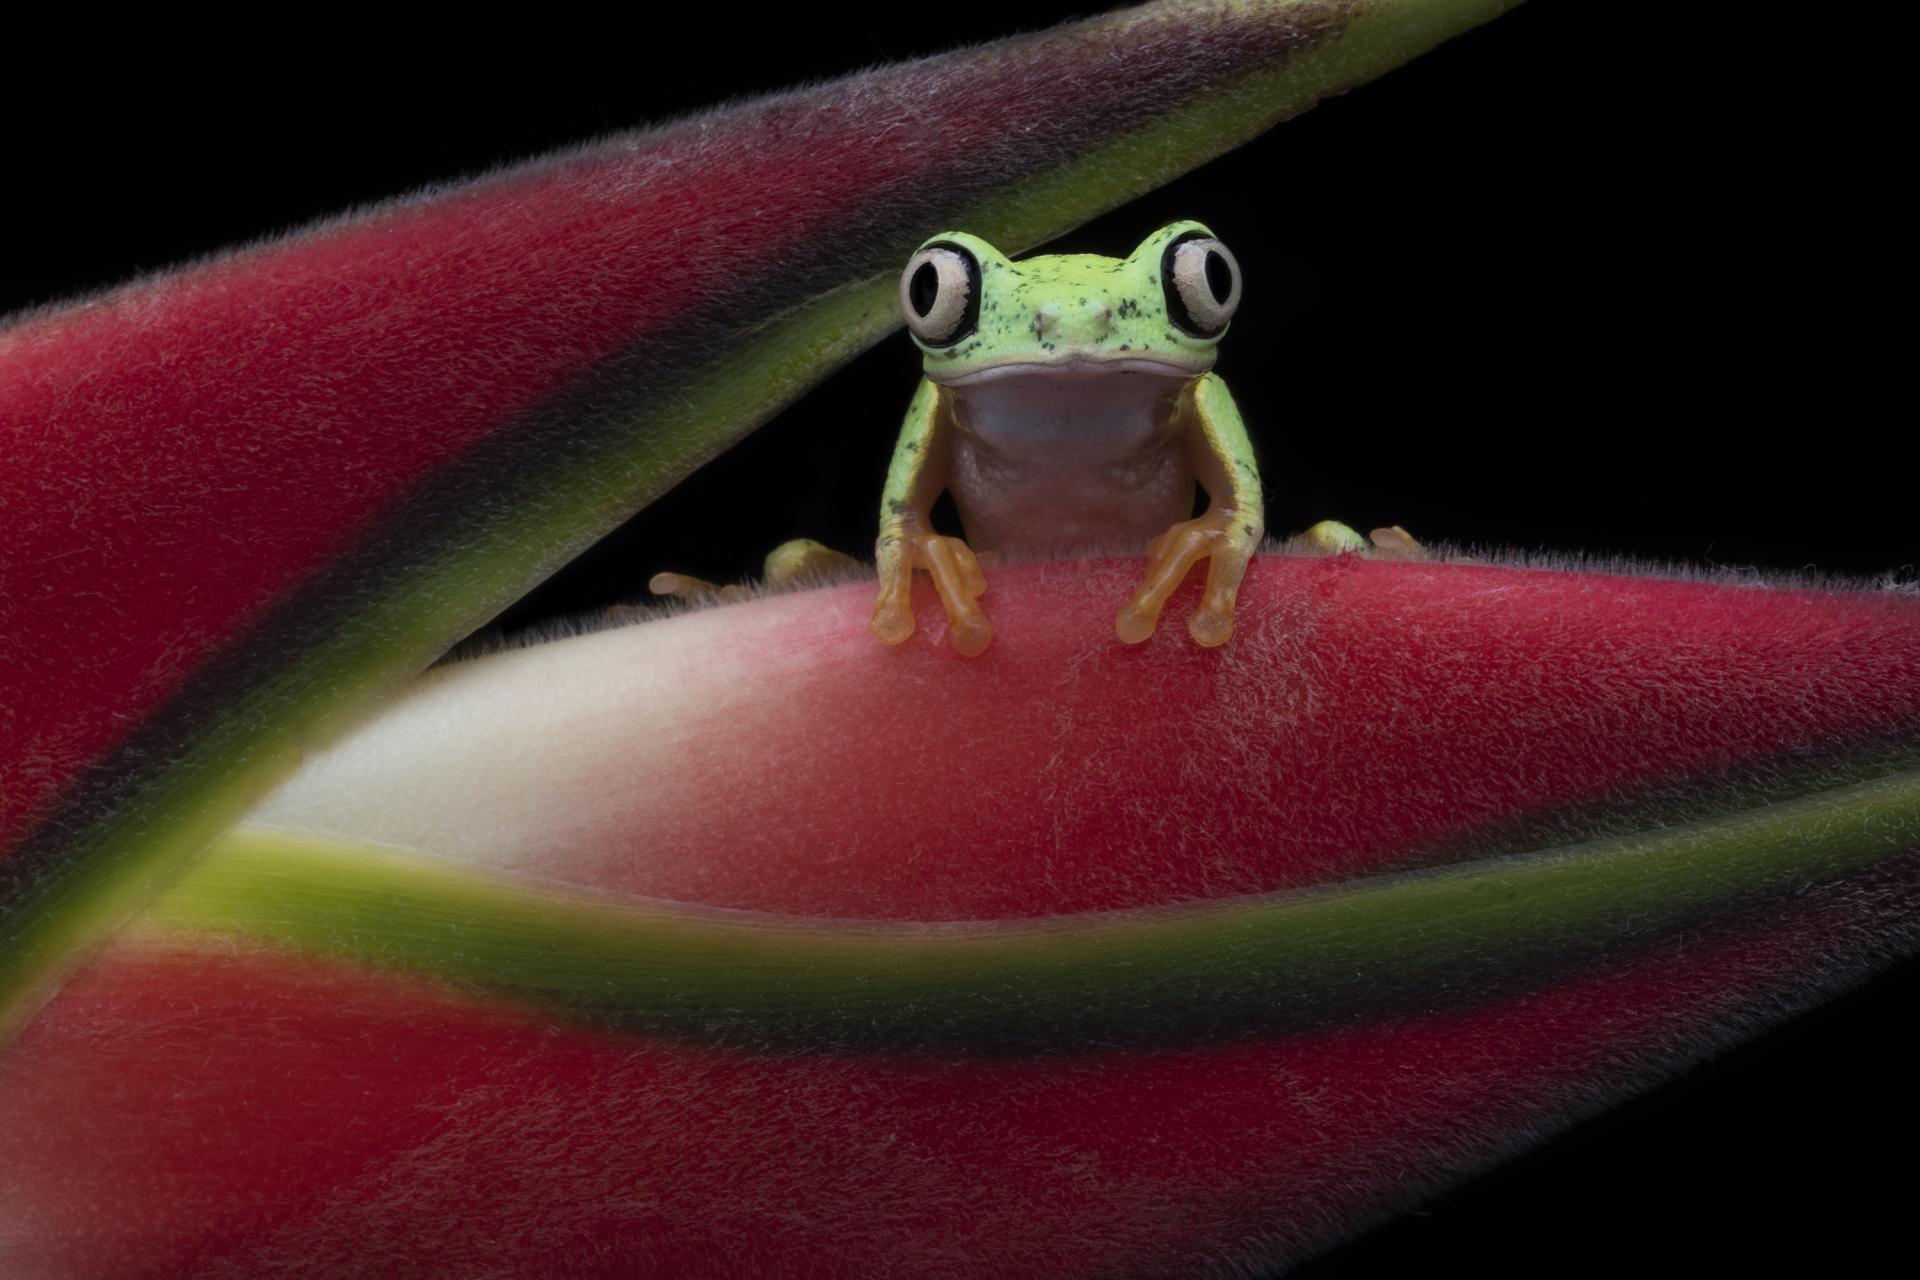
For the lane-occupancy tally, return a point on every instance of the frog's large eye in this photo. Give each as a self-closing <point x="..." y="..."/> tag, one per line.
<point x="1202" y="281"/>
<point x="940" y="294"/>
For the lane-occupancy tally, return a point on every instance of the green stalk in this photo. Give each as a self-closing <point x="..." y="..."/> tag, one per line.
<point x="1262" y="964"/>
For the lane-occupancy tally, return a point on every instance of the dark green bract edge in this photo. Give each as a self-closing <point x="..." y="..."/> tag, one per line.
<point x="1257" y="965"/>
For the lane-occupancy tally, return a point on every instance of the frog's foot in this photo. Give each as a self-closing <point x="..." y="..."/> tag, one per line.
<point x="785" y="566"/>
<point x="1330" y="538"/>
<point x="956" y="576"/>
<point x="803" y="558"/>
<point x="1395" y="543"/>
<point x="684" y="586"/>
<point x="1221" y="536"/>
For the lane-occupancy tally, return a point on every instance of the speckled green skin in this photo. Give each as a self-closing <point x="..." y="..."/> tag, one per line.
<point x="1071" y="312"/>
<point x="1050" y="310"/>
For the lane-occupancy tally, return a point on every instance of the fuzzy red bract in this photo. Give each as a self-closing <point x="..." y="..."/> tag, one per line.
<point x="1367" y="715"/>
<point x="236" y="1110"/>
<point x="244" y="1113"/>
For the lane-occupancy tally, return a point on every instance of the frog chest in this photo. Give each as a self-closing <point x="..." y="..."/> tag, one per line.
<point x="1047" y="463"/>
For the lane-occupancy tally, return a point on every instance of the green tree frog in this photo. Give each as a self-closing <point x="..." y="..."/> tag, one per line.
<point x="1068" y="404"/>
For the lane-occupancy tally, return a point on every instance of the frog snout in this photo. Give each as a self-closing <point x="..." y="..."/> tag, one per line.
<point x="1087" y="321"/>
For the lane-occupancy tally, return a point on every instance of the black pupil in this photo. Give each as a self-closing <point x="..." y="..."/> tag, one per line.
<point x="1219" y="277"/>
<point x="923" y="289"/>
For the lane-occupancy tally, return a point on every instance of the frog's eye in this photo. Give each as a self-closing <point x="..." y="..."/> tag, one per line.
<point x="1202" y="281"/>
<point x="940" y="294"/>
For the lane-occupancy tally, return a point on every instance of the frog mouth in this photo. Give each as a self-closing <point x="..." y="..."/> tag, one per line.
<point x="1071" y="367"/>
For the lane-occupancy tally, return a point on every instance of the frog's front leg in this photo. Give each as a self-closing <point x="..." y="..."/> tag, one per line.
<point x="907" y="540"/>
<point x="1226" y="534"/>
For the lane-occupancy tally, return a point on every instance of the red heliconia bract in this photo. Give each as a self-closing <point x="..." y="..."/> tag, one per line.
<point x="238" y="1105"/>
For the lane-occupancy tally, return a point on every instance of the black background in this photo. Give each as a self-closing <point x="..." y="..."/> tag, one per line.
<point x="1601" y="278"/>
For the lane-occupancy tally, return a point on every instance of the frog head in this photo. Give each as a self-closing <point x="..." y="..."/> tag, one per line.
<point x="978" y="316"/>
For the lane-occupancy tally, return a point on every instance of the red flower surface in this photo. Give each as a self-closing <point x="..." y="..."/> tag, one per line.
<point x="1582" y="828"/>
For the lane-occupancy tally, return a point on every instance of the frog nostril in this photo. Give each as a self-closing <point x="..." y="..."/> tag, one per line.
<point x="1045" y="318"/>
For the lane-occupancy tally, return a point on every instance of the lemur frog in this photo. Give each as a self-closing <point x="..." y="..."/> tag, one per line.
<point x="1068" y="405"/>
